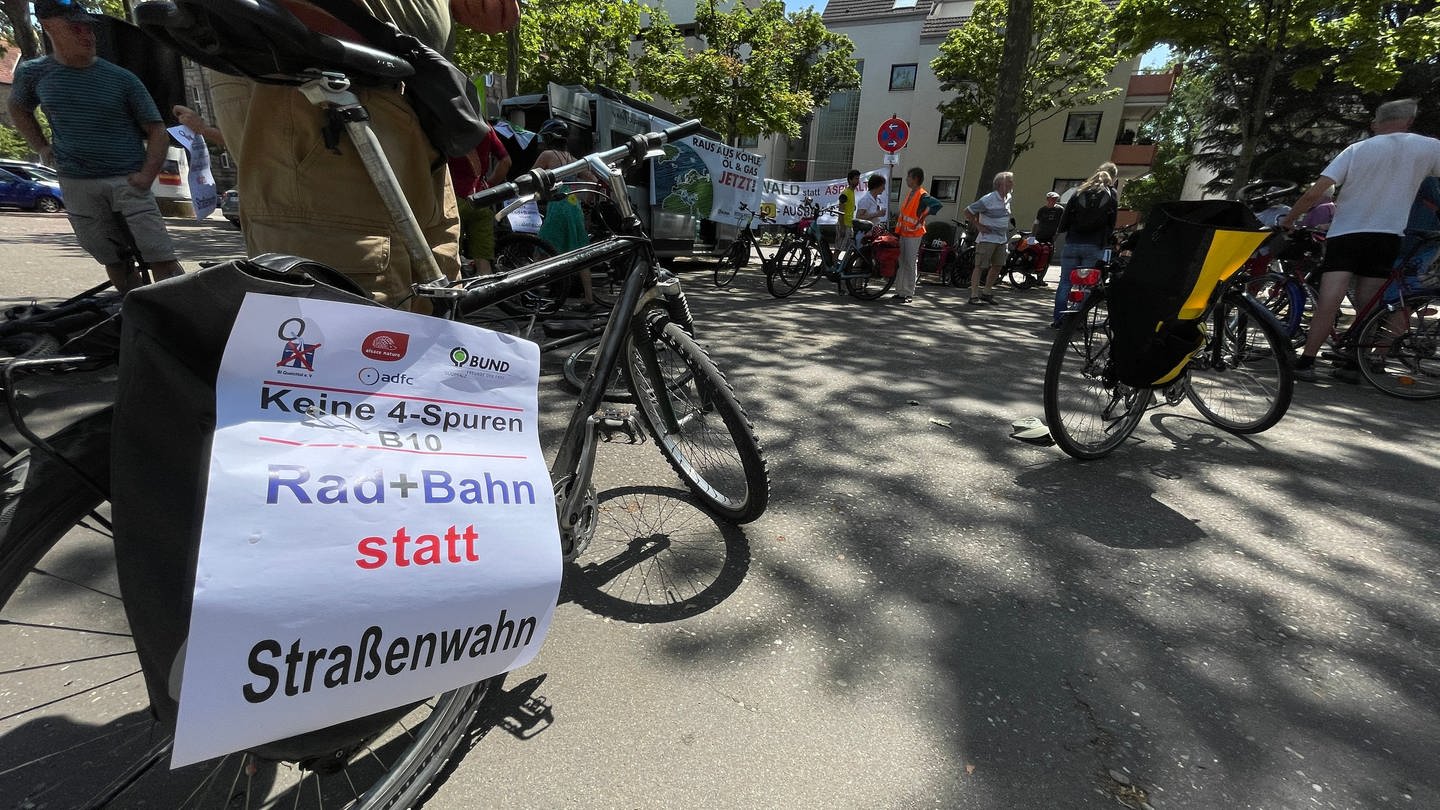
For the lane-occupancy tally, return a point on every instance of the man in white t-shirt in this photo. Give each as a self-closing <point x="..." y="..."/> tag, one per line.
<point x="874" y="206"/>
<point x="990" y="216"/>
<point x="1378" y="178"/>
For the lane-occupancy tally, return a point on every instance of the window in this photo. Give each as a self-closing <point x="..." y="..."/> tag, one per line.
<point x="951" y="131"/>
<point x="902" y="4"/>
<point x="746" y="142"/>
<point x="902" y="77"/>
<point x="944" y="188"/>
<point x="1082" y="127"/>
<point x="1063" y="185"/>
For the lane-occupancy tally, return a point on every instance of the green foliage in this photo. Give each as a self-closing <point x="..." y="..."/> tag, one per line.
<point x="1290" y="78"/>
<point x="1067" y="67"/>
<point x="571" y="42"/>
<point x="1174" y="129"/>
<point x="762" y="72"/>
<point x="12" y="145"/>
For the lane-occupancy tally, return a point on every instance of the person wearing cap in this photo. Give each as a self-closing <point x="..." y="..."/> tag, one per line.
<point x="1378" y="178"/>
<point x="107" y="142"/>
<point x="1047" y="225"/>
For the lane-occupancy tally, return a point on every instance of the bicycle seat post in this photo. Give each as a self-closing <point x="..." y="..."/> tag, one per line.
<point x="331" y="92"/>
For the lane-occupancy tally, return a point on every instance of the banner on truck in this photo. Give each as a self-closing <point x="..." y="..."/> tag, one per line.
<point x="706" y="179"/>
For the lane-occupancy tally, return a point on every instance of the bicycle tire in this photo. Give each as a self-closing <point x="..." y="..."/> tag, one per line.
<point x="605" y="286"/>
<point x="735" y="257"/>
<point x="1284" y="297"/>
<point x="1089" y="412"/>
<point x="789" y="269"/>
<point x="1408" y="361"/>
<point x="869" y="286"/>
<point x="580" y="363"/>
<point x="57" y="563"/>
<point x="1241" y="379"/>
<point x="712" y="445"/>
<point x="1015" y="272"/>
<point x="515" y="250"/>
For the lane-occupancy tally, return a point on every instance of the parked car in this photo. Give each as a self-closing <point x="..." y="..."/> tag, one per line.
<point x="38" y="172"/>
<point x="32" y="195"/>
<point x="230" y="206"/>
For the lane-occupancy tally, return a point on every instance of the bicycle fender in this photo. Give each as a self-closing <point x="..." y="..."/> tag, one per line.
<point x="1263" y="313"/>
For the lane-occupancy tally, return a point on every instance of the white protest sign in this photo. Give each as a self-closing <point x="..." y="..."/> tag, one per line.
<point x="379" y="523"/>
<point x="526" y="218"/>
<point x="706" y="179"/>
<point x="203" y="196"/>
<point x="789" y="202"/>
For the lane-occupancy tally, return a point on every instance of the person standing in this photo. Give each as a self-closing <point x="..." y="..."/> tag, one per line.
<point x="1087" y="223"/>
<point x="1379" y="178"/>
<point x="302" y="198"/>
<point x="917" y="207"/>
<point x="1044" y="229"/>
<point x="990" y="217"/>
<point x="846" y="215"/>
<point x="486" y="165"/>
<point x="564" y="224"/>
<point x="107" y="144"/>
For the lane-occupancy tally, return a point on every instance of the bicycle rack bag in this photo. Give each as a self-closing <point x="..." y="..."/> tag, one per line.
<point x="1181" y="259"/>
<point x="172" y="337"/>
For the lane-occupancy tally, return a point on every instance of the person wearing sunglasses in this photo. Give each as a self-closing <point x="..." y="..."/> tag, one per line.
<point x="107" y="142"/>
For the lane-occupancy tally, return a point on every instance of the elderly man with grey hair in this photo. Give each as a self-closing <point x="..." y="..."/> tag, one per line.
<point x="990" y="216"/>
<point x="1377" y="178"/>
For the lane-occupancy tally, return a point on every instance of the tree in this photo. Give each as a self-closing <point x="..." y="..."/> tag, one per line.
<point x="1064" y="62"/>
<point x="570" y="42"/>
<point x="1258" y="52"/>
<point x="1174" y="130"/>
<point x="12" y="145"/>
<point x="762" y="72"/>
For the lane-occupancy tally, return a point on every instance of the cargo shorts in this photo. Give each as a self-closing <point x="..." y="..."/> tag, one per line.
<point x="96" y="207"/>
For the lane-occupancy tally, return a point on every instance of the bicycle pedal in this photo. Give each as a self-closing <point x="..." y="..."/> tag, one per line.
<point x="614" y="423"/>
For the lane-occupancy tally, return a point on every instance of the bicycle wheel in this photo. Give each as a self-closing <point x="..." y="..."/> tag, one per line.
<point x="863" y="279"/>
<point x="1284" y="297"/>
<point x="578" y="367"/>
<point x="1017" y="270"/>
<point x="793" y="264"/>
<point x="730" y="262"/>
<point x="1241" y="379"/>
<point x="605" y="284"/>
<point x="1402" y="349"/>
<point x="75" y="725"/>
<point x="1089" y="412"/>
<point x="516" y="250"/>
<point x="697" y="422"/>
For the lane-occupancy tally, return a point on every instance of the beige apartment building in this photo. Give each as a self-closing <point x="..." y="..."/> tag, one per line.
<point x="895" y="40"/>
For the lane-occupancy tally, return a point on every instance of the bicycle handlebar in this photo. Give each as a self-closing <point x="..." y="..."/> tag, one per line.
<point x="541" y="181"/>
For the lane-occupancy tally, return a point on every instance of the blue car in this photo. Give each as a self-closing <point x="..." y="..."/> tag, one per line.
<point x="32" y="195"/>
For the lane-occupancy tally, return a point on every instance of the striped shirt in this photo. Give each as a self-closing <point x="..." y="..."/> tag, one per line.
<point x="97" y="115"/>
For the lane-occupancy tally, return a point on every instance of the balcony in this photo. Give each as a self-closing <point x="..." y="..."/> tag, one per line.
<point x="1150" y="85"/>
<point x="1133" y="155"/>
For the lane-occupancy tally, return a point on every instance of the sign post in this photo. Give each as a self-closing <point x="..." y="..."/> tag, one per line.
<point x="893" y="135"/>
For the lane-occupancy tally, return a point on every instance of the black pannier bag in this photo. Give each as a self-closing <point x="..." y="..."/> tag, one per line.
<point x="173" y="335"/>
<point x="1182" y="257"/>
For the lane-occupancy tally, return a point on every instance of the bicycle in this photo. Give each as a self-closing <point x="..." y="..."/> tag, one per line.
<point x="951" y="261"/>
<point x="1393" y="341"/>
<point x="1233" y="361"/>
<point x="1027" y="261"/>
<point x="57" y="521"/>
<point x="737" y="255"/>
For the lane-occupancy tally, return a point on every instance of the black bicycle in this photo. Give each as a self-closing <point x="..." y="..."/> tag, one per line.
<point x="75" y="728"/>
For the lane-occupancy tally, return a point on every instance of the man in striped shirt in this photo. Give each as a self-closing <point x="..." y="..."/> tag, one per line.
<point x="108" y="142"/>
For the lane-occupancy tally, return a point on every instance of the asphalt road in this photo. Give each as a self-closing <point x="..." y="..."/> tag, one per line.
<point x="932" y="614"/>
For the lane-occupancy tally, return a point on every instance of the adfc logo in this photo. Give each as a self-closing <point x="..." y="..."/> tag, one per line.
<point x="297" y="353"/>
<point x="386" y="346"/>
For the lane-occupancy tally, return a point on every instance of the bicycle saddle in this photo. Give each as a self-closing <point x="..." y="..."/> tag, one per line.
<point x="262" y="40"/>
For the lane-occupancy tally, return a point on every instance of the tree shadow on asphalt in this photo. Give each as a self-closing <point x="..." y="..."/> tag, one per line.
<point x="1209" y="614"/>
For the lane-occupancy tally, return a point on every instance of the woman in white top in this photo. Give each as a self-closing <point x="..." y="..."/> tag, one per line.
<point x="874" y="206"/>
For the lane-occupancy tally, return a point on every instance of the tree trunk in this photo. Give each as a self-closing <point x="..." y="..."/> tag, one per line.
<point x="1000" y="151"/>
<point x="25" y="37"/>
<point x="512" y="62"/>
<point x="1259" y="106"/>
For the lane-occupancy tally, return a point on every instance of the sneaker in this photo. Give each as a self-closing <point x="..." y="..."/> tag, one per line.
<point x="1348" y="374"/>
<point x="989" y="299"/>
<point x="974" y="301"/>
<point x="1305" y="371"/>
<point x="900" y="299"/>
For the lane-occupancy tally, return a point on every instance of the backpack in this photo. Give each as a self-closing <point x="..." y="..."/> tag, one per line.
<point x="1091" y="212"/>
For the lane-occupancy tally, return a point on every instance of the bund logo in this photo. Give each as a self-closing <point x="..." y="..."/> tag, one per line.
<point x="462" y="358"/>
<point x="297" y="354"/>
<point x="385" y="346"/>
